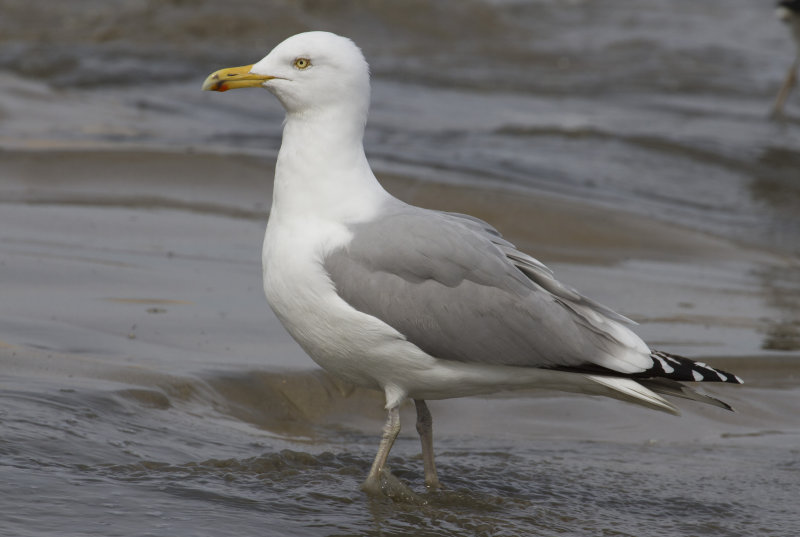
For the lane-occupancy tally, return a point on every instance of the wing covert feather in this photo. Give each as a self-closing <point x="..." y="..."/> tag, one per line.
<point x="455" y="288"/>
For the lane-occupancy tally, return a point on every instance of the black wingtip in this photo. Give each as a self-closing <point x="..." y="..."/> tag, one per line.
<point x="676" y="367"/>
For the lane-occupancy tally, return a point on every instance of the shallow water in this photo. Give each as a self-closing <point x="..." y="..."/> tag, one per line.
<point x="146" y="388"/>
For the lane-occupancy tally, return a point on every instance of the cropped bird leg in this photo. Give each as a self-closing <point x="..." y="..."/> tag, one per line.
<point x="786" y="88"/>
<point x="425" y="430"/>
<point x="390" y="431"/>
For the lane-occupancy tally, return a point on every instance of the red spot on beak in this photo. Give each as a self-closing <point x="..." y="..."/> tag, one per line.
<point x="222" y="87"/>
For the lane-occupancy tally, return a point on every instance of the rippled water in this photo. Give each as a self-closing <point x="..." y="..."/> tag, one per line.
<point x="162" y="462"/>
<point x="146" y="389"/>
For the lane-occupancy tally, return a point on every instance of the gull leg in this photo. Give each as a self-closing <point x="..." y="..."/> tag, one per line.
<point x="786" y="88"/>
<point x="390" y="431"/>
<point x="425" y="430"/>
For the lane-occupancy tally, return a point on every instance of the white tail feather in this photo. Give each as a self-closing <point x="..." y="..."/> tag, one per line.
<point x="631" y="391"/>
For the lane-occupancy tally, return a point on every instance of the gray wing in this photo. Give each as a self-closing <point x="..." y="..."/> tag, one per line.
<point x="455" y="288"/>
<point x="536" y="270"/>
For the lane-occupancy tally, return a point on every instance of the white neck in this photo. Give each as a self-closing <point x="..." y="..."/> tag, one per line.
<point x="322" y="171"/>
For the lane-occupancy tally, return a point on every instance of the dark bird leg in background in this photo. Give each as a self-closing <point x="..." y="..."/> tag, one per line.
<point x="788" y="11"/>
<point x="788" y="84"/>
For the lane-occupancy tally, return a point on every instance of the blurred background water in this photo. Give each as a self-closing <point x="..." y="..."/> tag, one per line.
<point x="661" y="107"/>
<point x="146" y="389"/>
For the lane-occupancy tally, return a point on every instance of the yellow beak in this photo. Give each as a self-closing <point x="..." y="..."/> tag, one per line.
<point x="234" y="78"/>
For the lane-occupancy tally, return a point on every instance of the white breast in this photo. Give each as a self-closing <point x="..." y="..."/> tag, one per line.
<point x="344" y="341"/>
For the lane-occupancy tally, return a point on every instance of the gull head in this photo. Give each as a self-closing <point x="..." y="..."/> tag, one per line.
<point x="309" y="73"/>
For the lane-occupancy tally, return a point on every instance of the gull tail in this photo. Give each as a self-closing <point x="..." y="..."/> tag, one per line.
<point x="631" y="391"/>
<point x="676" y="389"/>
<point x="665" y="377"/>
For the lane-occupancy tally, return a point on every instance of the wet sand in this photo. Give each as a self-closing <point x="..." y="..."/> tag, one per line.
<point x="554" y="228"/>
<point x="147" y="255"/>
<point x="135" y="332"/>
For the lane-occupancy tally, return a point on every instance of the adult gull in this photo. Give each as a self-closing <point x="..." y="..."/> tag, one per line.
<point x="417" y="303"/>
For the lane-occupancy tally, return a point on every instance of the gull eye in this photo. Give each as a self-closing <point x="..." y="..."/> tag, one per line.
<point x="302" y="63"/>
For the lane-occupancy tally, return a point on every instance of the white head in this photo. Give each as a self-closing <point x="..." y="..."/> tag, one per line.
<point x="309" y="73"/>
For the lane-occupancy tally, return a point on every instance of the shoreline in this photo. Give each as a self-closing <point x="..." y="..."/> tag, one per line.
<point x="551" y="226"/>
<point x="693" y="293"/>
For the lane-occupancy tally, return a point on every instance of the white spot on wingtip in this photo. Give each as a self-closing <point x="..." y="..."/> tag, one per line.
<point x="697" y="376"/>
<point x="664" y="365"/>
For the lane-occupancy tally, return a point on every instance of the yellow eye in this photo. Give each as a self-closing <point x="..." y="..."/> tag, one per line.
<point x="302" y="63"/>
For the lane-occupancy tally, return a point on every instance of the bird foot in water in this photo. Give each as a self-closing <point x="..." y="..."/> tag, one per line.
<point x="384" y="484"/>
<point x="433" y="485"/>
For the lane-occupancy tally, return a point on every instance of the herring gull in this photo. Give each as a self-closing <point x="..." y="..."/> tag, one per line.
<point x="418" y="303"/>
